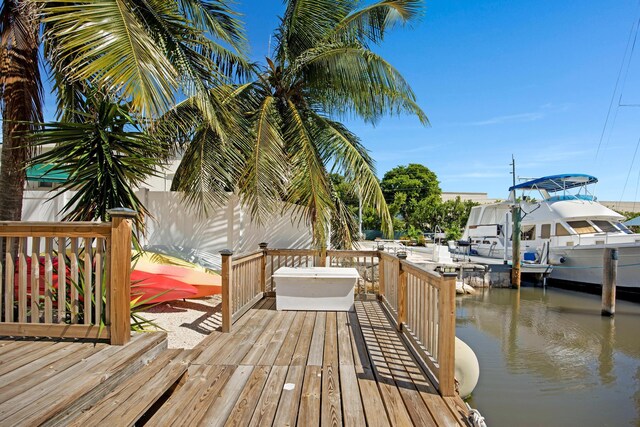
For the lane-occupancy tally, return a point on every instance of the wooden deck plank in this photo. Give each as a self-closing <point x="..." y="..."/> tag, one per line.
<point x="9" y="363"/>
<point x="371" y="399"/>
<point x="209" y="348"/>
<point x="344" y="339"/>
<point x="316" y="349"/>
<point x="219" y="410"/>
<point x="352" y="408"/>
<point x="287" y="411"/>
<point x="47" y="398"/>
<point x="54" y="353"/>
<point x="124" y="405"/>
<point x="260" y="346"/>
<point x="331" y="407"/>
<point x="438" y="407"/>
<point x="28" y="379"/>
<point x="388" y="339"/>
<point x="396" y="411"/>
<point x="245" y="406"/>
<point x="301" y="352"/>
<point x="268" y="403"/>
<point x="243" y="340"/>
<point x="289" y="345"/>
<point x="184" y="403"/>
<point x="309" y="412"/>
<point x="273" y="348"/>
<point x="331" y="414"/>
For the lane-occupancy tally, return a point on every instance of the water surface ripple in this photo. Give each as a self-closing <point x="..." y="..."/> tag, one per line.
<point x="547" y="358"/>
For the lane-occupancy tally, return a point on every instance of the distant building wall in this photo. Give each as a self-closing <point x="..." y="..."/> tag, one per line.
<point x="481" y="198"/>
<point x="622" y="206"/>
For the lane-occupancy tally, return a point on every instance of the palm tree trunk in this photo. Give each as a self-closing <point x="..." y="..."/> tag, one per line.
<point x="21" y="91"/>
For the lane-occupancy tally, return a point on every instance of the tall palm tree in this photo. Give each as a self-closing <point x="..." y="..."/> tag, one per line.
<point x="143" y="53"/>
<point x="323" y="70"/>
<point x="20" y="98"/>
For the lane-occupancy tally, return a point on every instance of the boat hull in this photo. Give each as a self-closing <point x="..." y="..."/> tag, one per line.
<point x="584" y="264"/>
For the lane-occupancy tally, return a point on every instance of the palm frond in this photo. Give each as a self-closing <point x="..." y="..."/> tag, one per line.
<point x="352" y="160"/>
<point x="371" y="23"/>
<point x="264" y="180"/>
<point x="309" y="186"/>
<point x="104" y="42"/>
<point x="349" y="79"/>
<point x="306" y="23"/>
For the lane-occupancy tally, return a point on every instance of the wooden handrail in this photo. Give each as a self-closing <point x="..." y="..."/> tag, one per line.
<point x="92" y="259"/>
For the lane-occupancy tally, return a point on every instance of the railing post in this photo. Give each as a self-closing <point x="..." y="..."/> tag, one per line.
<point x="322" y="258"/>
<point x="120" y="286"/>
<point x="263" y="267"/>
<point x="227" y="291"/>
<point x="447" y="334"/>
<point x="402" y="293"/>
<point x="380" y="277"/>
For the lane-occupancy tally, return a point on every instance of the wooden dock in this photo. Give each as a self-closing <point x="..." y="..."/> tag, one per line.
<point x="275" y="368"/>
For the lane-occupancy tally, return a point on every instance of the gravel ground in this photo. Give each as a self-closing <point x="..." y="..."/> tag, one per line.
<point x="187" y="322"/>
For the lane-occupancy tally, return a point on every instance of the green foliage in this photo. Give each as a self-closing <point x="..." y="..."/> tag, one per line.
<point x="105" y="154"/>
<point x="408" y="186"/>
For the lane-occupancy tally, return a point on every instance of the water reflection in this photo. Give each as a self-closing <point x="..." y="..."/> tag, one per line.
<point x="547" y="357"/>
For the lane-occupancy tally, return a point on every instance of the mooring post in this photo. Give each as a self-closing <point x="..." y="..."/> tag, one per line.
<point x="515" y="251"/>
<point x="609" y="278"/>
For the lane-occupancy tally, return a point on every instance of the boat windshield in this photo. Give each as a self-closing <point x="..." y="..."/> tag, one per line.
<point x="582" y="227"/>
<point x="623" y="227"/>
<point x="605" y="226"/>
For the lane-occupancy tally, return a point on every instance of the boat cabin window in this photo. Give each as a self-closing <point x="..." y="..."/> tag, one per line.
<point x="561" y="231"/>
<point x="582" y="227"/>
<point x="545" y="231"/>
<point x="528" y="232"/>
<point x="605" y="226"/>
<point x="623" y="227"/>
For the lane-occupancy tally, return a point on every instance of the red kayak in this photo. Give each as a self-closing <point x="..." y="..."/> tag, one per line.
<point x="150" y="288"/>
<point x="144" y="285"/>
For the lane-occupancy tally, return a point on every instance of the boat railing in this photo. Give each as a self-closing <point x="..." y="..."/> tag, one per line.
<point x="420" y="303"/>
<point x="66" y="279"/>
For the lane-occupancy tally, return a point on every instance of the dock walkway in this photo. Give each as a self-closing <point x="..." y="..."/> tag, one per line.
<point x="275" y="368"/>
<point x="308" y="368"/>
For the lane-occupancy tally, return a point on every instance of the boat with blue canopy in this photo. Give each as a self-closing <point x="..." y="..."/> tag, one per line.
<point x="566" y="228"/>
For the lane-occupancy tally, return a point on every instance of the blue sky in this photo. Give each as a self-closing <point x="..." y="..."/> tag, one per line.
<point x="501" y="77"/>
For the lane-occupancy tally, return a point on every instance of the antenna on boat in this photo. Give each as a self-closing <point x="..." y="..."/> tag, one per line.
<point x="515" y="236"/>
<point x="513" y="172"/>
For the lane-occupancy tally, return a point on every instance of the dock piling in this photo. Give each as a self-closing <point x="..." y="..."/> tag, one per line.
<point x="609" y="278"/>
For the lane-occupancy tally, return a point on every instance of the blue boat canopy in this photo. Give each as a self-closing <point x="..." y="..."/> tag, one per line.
<point x="553" y="183"/>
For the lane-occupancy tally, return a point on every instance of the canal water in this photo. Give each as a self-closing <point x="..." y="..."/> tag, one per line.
<point x="547" y="358"/>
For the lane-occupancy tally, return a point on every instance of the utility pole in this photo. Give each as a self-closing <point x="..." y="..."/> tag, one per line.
<point x="515" y="237"/>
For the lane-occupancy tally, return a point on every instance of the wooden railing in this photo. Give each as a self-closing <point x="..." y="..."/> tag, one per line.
<point x="420" y="303"/>
<point x="66" y="279"/>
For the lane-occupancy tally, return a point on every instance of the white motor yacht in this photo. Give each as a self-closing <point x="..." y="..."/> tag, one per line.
<point x="563" y="225"/>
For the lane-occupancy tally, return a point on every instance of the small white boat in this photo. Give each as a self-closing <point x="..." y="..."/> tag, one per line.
<point x="567" y="229"/>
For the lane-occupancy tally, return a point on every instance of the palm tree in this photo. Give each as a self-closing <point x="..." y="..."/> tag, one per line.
<point x="323" y="70"/>
<point x="143" y="53"/>
<point x="21" y="98"/>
